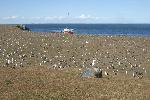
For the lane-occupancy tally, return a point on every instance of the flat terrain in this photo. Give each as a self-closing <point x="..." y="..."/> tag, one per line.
<point x="49" y="66"/>
<point x="55" y="84"/>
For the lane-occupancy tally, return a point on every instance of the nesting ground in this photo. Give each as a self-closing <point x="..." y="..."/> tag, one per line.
<point x="49" y="66"/>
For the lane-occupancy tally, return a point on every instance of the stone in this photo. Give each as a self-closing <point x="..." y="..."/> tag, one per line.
<point x="92" y="72"/>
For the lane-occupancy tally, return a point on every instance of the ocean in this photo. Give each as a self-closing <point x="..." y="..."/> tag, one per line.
<point x="98" y="29"/>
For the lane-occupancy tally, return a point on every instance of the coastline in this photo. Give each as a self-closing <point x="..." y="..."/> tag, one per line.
<point x="95" y="29"/>
<point x="50" y="61"/>
<point x="89" y="46"/>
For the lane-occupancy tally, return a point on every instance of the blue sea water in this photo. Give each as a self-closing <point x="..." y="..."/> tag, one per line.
<point x="99" y="29"/>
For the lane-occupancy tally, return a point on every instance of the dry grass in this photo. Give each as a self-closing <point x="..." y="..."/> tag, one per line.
<point x="30" y="74"/>
<point x="66" y="84"/>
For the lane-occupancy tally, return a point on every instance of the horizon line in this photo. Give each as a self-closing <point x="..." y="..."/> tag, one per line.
<point x="68" y="23"/>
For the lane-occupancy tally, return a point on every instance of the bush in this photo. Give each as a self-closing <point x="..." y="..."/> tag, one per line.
<point x="22" y="27"/>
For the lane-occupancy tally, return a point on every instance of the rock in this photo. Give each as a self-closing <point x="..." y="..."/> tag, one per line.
<point x="92" y="72"/>
<point x="87" y="73"/>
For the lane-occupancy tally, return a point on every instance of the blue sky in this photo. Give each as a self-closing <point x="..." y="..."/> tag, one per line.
<point x="80" y="11"/>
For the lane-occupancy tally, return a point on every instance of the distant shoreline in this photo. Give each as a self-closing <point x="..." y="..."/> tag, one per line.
<point x="95" y="29"/>
<point x="77" y="23"/>
<point x="114" y="35"/>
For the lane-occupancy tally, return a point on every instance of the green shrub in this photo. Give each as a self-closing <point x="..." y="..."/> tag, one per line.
<point x="8" y="82"/>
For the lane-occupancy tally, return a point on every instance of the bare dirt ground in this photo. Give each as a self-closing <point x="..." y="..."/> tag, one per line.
<point x="49" y="66"/>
